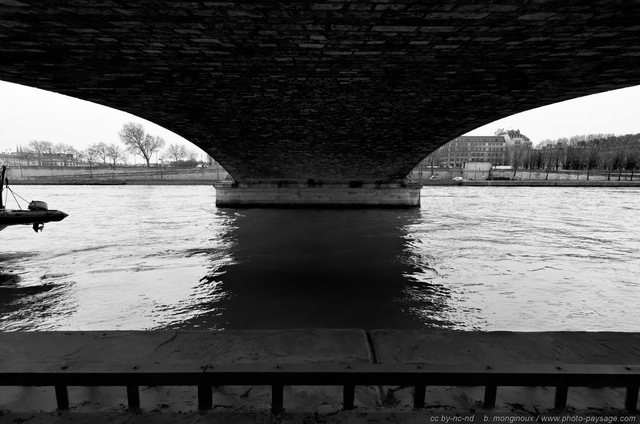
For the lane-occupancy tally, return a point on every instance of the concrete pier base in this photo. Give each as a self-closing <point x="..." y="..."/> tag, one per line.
<point x="232" y="194"/>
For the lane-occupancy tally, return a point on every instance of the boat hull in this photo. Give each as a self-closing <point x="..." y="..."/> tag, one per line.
<point x="26" y="217"/>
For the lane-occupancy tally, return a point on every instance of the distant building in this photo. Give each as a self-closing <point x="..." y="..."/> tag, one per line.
<point x="553" y="145"/>
<point x="475" y="149"/>
<point x="58" y="159"/>
<point x="465" y="149"/>
<point x="514" y="138"/>
<point x="27" y="158"/>
<point x="500" y="149"/>
<point x="476" y="154"/>
<point x="516" y="144"/>
<point x="18" y="158"/>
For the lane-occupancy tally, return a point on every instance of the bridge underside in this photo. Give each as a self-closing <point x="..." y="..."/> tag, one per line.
<point x="347" y="93"/>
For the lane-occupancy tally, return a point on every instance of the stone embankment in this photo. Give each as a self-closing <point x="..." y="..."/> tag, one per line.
<point x="532" y="183"/>
<point x="194" y="176"/>
<point x="445" y="176"/>
<point x="106" y="176"/>
<point x="84" y="351"/>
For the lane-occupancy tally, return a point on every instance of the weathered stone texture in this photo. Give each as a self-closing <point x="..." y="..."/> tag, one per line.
<point x="331" y="195"/>
<point x="328" y="90"/>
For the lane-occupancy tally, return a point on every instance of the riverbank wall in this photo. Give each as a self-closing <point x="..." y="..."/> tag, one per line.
<point x="42" y="175"/>
<point x="427" y="176"/>
<point x="169" y="351"/>
<point x="532" y="183"/>
<point x="206" y="176"/>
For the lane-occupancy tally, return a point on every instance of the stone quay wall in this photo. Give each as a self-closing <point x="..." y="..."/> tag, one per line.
<point x="50" y="174"/>
<point x="165" y="350"/>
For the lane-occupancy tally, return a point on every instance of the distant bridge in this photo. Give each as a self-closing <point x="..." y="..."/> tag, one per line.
<point x="330" y="102"/>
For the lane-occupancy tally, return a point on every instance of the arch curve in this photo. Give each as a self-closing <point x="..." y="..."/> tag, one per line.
<point x="333" y="92"/>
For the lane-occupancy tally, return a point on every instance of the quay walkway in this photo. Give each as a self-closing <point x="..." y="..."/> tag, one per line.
<point x="314" y="375"/>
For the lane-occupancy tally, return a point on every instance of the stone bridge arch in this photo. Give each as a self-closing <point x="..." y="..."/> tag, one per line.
<point x="329" y="102"/>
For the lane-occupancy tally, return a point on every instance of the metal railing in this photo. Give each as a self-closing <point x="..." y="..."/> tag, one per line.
<point x="348" y="376"/>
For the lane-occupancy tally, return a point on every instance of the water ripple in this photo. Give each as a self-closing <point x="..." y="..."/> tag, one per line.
<point x="471" y="258"/>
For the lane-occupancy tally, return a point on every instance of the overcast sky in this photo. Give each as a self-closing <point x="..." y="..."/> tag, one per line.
<point x="31" y="114"/>
<point x="615" y="112"/>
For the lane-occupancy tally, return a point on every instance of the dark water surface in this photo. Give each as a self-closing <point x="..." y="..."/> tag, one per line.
<point x="488" y="258"/>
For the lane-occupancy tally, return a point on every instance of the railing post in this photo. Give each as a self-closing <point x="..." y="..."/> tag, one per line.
<point x="490" y="393"/>
<point x="205" y="397"/>
<point x="277" y="396"/>
<point x="631" y="401"/>
<point x="418" y="396"/>
<point x="561" y="397"/>
<point x="62" y="398"/>
<point x="133" y="398"/>
<point x="348" y="396"/>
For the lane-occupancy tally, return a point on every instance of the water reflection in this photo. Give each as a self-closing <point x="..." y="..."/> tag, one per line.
<point x="302" y="268"/>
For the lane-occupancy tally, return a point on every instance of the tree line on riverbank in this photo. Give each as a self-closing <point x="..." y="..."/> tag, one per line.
<point x="136" y="142"/>
<point x="596" y="152"/>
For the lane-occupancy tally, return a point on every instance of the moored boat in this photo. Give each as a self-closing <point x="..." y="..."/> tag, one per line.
<point x="36" y="214"/>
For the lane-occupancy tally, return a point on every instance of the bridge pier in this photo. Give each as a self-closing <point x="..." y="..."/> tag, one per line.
<point x="393" y="195"/>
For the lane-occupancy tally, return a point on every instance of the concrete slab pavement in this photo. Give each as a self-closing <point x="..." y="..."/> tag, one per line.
<point x="83" y="350"/>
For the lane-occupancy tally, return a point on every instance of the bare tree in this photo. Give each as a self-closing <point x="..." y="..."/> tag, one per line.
<point x="90" y="154"/>
<point x="516" y="160"/>
<point x="538" y="159"/>
<point x="67" y="151"/>
<point x="592" y="157"/>
<point x="114" y="153"/>
<point x="154" y="143"/>
<point x="573" y="158"/>
<point x="631" y="164"/>
<point x="99" y="151"/>
<point x="617" y="163"/>
<point x="40" y="148"/>
<point x="548" y="158"/>
<point x="176" y="152"/>
<point x="192" y="155"/>
<point x="139" y="143"/>
<point x="527" y="160"/>
<point x="434" y="159"/>
<point x="49" y="148"/>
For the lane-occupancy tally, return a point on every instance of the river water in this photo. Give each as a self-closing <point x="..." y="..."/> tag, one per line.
<point x="470" y="258"/>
